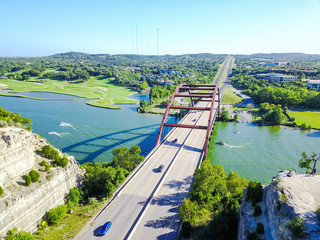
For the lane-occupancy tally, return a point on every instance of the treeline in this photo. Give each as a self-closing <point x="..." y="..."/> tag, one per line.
<point x="212" y="209"/>
<point x="134" y="71"/>
<point x="8" y="118"/>
<point x="157" y="95"/>
<point x="292" y="94"/>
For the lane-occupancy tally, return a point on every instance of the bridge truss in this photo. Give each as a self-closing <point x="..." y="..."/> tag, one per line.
<point x="196" y="93"/>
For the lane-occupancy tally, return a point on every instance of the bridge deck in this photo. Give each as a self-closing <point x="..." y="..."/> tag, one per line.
<point x="147" y="205"/>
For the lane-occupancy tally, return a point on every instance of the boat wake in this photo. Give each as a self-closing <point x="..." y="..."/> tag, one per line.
<point x="240" y="146"/>
<point x="63" y="124"/>
<point x="58" y="134"/>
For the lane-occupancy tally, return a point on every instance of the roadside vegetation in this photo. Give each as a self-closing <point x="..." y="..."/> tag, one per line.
<point x="65" y="221"/>
<point x="212" y="209"/>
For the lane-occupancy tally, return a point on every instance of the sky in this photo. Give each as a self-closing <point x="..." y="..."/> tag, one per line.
<point x="150" y="27"/>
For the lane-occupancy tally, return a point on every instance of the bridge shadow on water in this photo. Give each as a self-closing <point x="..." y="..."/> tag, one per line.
<point x="117" y="139"/>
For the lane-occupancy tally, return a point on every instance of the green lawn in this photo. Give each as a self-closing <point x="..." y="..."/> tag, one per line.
<point x="310" y="118"/>
<point x="104" y="92"/>
<point x="229" y="97"/>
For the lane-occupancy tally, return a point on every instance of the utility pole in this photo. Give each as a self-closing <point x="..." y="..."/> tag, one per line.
<point x="157" y="41"/>
<point x="137" y="39"/>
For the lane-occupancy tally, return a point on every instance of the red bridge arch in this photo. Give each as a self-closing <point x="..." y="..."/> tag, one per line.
<point x="195" y="97"/>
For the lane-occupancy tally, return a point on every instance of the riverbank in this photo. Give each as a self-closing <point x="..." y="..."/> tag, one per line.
<point x="99" y="91"/>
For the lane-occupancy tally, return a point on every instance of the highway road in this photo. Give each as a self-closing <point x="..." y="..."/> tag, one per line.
<point x="147" y="206"/>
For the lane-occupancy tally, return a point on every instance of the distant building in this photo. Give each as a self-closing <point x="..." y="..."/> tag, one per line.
<point x="272" y="64"/>
<point x="277" y="77"/>
<point x="314" y="84"/>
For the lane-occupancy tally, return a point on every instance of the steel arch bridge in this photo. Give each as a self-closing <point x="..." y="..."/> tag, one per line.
<point x="196" y="93"/>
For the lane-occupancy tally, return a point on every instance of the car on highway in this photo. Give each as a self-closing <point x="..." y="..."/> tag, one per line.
<point x="160" y="168"/>
<point x="104" y="229"/>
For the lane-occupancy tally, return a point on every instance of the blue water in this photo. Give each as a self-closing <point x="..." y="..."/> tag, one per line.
<point x="258" y="153"/>
<point x="86" y="132"/>
<point x="90" y="134"/>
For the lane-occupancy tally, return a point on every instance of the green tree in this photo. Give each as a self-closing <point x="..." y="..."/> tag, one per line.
<point x="144" y="85"/>
<point x="35" y="175"/>
<point x="73" y="197"/>
<point x="188" y="211"/>
<point x="28" y="180"/>
<point x="260" y="228"/>
<point x="186" y="229"/>
<point x="254" y="192"/>
<point x="236" y="117"/>
<point x="274" y="116"/>
<point x="15" y="235"/>
<point x="126" y="158"/>
<point x="296" y="226"/>
<point x="1" y="191"/>
<point x="304" y="126"/>
<point x="54" y="216"/>
<point x="209" y="180"/>
<point x="306" y="161"/>
<point x="224" y="114"/>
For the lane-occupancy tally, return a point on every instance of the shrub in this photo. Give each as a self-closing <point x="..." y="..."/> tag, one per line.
<point x="47" y="167"/>
<point x="35" y="175"/>
<point x="43" y="163"/>
<point x="73" y="197"/>
<point x="54" y="216"/>
<point x="186" y="229"/>
<point x="253" y="236"/>
<point x="283" y="198"/>
<point x="28" y="180"/>
<point x="64" y="161"/>
<point x="1" y="191"/>
<point x="260" y="228"/>
<point x="254" y="192"/>
<point x="3" y="123"/>
<point x="296" y="226"/>
<point x="303" y="126"/>
<point x="318" y="214"/>
<point x="257" y="211"/>
<point x="15" y="235"/>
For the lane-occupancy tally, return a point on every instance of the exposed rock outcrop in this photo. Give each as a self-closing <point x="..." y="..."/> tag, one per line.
<point x="22" y="206"/>
<point x="288" y="196"/>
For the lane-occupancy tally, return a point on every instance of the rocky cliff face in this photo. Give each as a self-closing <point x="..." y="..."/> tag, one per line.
<point x="22" y="206"/>
<point x="287" y="197"/>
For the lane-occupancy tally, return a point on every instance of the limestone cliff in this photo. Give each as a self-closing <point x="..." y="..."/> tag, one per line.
<point x="288" y="196"/>
<point x="22" y="206"/>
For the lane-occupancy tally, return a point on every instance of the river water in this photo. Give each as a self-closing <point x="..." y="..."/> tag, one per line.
<point x="90" y="134"/>
<point x="258" y="153"/>
<point x="86" y="132"/>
